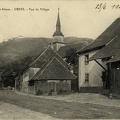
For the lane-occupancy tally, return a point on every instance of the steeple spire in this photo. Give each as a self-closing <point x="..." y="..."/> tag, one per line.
<point x="58" y="26"/>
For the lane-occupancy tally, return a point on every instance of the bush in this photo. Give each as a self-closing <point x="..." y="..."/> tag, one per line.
<point x="39" y="92"/>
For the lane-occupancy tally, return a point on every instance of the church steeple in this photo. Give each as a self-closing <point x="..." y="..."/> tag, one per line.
<point x="58" y="37"/>
<point x="58" y="27"/>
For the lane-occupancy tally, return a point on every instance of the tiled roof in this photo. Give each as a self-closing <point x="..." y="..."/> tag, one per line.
<point x="114" y="59"/>
<point x="54" y="70"/>
<point x="112" y="31"/>
<point x="46" y="56"/>
<point x="111" y="50"/>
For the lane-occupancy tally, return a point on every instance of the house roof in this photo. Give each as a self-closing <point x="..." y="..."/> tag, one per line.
<point x="112" y="31"/>
<point x="46" y="56"/>
<point x="62" y="51"/>
<point x="114" y="59"/>
<point x="108" y="50"/>
<point x="54" y="70"/>
<point x="111" y="50"/>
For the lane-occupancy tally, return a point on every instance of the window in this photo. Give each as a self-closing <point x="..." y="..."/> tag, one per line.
<point x="86" y="59"/>
<point x="31" y="83"/>
<point x="86" y="77"/>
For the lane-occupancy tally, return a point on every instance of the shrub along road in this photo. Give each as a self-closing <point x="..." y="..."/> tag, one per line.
<point x="60" y="109"/>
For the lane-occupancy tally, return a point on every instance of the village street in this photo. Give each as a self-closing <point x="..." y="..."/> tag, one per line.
<point x="10" y="111"/>
<point x="21" y="106"/>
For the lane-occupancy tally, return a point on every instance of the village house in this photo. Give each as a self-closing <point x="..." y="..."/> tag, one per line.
<point x="48" y="73"/>
<point x="110" y="55"/>
<point x="93" y="68"/>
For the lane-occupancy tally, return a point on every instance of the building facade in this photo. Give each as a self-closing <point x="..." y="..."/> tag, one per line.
<point x="90" y="73"/>
<point x="93" y="67"/>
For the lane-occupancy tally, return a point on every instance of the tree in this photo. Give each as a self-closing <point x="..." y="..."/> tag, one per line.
<point x="71" y="56"/>
<point x="11" y="70"/>
<point x="72" y="59"/>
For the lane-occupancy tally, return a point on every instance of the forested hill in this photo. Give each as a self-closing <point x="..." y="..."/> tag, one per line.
<point x="19" y="48"/>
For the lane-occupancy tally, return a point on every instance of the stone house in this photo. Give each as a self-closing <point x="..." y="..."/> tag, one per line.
<point x="48" y="73"/>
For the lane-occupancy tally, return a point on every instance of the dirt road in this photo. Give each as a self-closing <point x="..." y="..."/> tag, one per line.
<point x="13" y="112"/>
<point x="58" y="108"/>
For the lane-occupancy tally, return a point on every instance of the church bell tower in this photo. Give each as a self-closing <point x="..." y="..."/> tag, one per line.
<point x="58" y="37"/>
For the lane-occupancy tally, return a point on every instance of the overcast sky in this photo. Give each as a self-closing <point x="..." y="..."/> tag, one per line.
<point x="78" y="18"/>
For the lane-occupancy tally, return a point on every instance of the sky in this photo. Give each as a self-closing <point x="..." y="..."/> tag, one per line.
<point x="78" y="18"/>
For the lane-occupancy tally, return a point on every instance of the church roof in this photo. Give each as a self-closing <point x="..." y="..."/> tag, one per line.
<point x="109" y="34"/>
<point x="54" y="70"/>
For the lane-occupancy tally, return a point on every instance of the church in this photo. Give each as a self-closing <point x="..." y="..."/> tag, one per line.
<point x="48" y="74"/>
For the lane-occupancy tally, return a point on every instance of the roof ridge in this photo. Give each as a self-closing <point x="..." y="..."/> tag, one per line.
<point x="41" y="68"/>
<point x="61" y="57"/>
<point x="39" y="55"/>
<point x="65" y="67"/>
<point x="34" y="74"/>
<point x="111" y="40"/>
<point x="46" y="66"/>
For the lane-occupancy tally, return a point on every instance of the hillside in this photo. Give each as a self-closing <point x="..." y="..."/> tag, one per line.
<point x="75" y="40"/>
<point x="19" y="48"/>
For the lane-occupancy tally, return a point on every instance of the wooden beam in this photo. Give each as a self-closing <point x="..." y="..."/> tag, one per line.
<point x="101" y="65"/>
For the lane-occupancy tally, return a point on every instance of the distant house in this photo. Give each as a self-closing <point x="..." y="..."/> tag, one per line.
<point x="93" y="69"/>
<point x="48" y="73"/>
